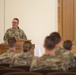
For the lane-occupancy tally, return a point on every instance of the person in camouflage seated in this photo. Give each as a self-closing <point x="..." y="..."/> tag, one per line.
<point x="15" y="31"/>
<point x="58" y="41"/>
<point x="63" y="53"/>
<point x="7" y="56"/>
<point x="68" y="46"/>
<point x="23" y="58"/>
<point x="48" y="61"/>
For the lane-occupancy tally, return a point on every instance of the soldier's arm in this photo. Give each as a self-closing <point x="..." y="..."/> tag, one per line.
<point x="34" y="64"/>
<point x="73" y="61"/>
<point x="6" y="36"/>
<point x="5" y="59"/>
<point x="24" y="36"/>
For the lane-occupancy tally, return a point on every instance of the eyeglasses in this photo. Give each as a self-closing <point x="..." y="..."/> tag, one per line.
<point x="14" y="22"/>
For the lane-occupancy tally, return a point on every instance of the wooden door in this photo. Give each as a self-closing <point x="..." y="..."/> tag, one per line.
<point x="67" y="21"/>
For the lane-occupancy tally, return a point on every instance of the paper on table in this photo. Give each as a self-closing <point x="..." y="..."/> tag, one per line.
<point x="37" y="51"/>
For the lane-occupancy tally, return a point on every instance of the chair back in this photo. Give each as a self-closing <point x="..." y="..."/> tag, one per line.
<point x="23" y="73"/>
<point x="46" y="71"/>
<point x="8" y="70"/>
<point x="3" y="67"/>
<point x="5" y="64"/>
<point x="26" y="68"/>
<point x="62" y="73"/>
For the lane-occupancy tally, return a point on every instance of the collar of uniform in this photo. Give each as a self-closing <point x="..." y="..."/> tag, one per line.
<point x="26" y="53"/>
<point x="49" y="55"/>
<point x="67" y="52"/>
<point x="58" y="48"/>
<point x="10" y="51"/>
<point x="14" y="29"/>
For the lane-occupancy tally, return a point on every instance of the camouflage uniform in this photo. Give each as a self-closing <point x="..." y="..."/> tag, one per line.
<point x="22" y="59"/>
<point x="67" y="56"/>
<point x="6" y="57"/>
<point x="17" y="33"/>
<point x="48" y="62"/>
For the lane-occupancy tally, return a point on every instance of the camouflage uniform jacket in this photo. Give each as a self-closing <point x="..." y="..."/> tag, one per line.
<point x="48" y="62"/>
<point x="67" y="56"/>
<point x="17" y="33"/>
<point x="7" y="57"/>
<point x="22" y="59"/>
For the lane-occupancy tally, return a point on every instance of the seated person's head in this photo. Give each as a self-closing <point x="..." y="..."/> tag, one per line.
<point x="11" y="42"/>
<point x="57" y="37"/>
<point x="49" y="43"/>
<point x="27" y="46"/>
<point x="67" y="44"/>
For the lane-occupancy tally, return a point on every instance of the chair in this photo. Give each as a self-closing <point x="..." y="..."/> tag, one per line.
<point x="3" y="67"/>
<point x="62" y="73"/>
<point x="5" y="64"/>
<point x="46" y="71"/>
<point x="72" y="70"/>
<point x="8" y="70"/>
<point x="26" y="68"/>
<point x="23" y="73"/>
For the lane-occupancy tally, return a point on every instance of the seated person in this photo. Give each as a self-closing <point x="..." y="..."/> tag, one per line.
<point x="59" y="48"/>
<point x="67" y="45"/>
<point x="7" y="56"/>
<point x="63" y="53"/>
<point x="23" y="58"/>
<point x="49" y="61"/>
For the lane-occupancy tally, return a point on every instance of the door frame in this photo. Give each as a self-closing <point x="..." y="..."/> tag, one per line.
<point x="60" y="17"/>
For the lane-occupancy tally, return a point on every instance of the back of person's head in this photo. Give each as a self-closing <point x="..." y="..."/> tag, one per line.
<point x="67" y="44"/>
<point x="27" y="46"/>
<point x="11" y="42"/>
<point x="57" y="37"/>
<point x="49" y="43"/>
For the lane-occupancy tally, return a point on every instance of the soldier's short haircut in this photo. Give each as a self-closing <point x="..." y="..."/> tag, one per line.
<point x="27" y="46"/>
<point x="67" y="44"/>
<point x="57" y="37"/>
<point x="16" y="19"/>
<point x="49" y="42"/>
<point x="11" y="42"/>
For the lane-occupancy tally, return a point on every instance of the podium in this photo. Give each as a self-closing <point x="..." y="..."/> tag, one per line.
<point x="19" y="47"/>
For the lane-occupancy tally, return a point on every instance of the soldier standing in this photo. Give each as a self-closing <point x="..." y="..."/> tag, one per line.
<point x="15" y="31"/>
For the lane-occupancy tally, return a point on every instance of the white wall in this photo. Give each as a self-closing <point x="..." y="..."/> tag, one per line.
<point x="1" y="20"/>
<point x="38" y="18"/>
